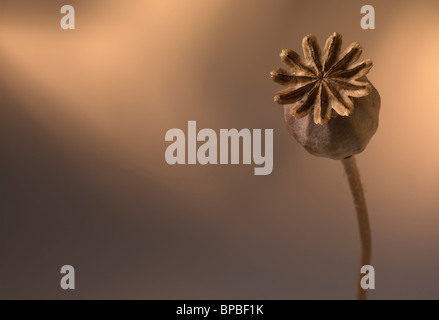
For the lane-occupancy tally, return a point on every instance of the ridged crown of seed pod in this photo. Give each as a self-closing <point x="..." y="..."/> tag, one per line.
<point x="331" y="108"/>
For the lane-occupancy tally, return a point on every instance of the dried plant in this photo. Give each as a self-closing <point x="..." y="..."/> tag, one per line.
<point x="322" y="84"/>
<point x="318" y="84"/>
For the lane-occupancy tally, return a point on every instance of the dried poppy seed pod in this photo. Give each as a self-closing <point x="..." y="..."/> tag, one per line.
<point x="341" y="137"/>
<point x="331" y="108"/>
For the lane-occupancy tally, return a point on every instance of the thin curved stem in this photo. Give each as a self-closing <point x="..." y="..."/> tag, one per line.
<point x="353" y="175"/>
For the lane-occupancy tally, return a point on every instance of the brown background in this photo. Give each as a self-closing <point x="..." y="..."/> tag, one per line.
<point x="84" y="181"/>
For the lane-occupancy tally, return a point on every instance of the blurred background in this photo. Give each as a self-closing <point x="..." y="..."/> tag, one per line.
<point x="83" y="179"/>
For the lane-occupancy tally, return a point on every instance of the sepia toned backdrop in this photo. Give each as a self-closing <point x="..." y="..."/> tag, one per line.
<point x="84" y="181"/>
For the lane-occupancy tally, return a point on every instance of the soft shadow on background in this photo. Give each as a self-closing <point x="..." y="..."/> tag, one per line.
<point x="83" y="176"/>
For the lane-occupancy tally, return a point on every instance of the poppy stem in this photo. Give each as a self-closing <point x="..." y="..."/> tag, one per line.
<point x="353" y="175"/>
